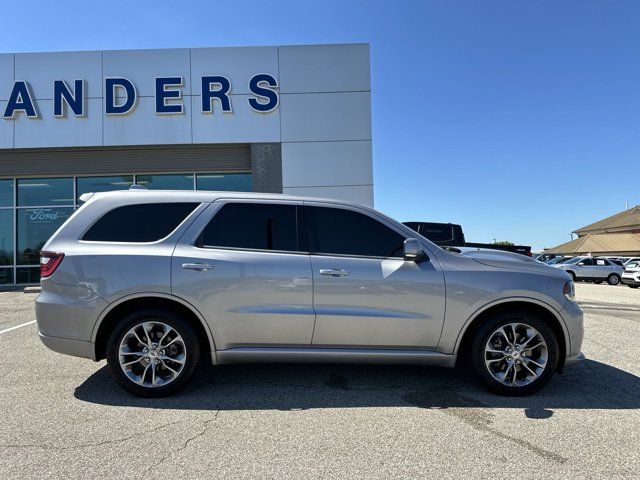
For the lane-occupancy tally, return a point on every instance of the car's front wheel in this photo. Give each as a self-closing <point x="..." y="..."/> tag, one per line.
<point x="613" y="279"/>
<point x="515" y="353"/>
<point x="152" y="353"/>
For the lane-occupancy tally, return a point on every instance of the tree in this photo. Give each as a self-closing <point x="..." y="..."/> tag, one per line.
<point x="503" y="242"/>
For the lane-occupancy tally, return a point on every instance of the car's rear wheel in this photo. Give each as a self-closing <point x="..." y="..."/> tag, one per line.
<point x="152" y="353"/>
<point x="613" y="279"/>
<point x="515" y="353"/>
<point x="573" y="275"/>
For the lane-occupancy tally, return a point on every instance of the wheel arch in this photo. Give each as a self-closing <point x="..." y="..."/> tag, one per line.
<point x="110" y="316"/>
<point x="546" y="312"/>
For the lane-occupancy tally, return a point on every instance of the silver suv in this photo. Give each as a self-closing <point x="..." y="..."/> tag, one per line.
<point x="154" y="280"/>
<point x="591" y="269"/>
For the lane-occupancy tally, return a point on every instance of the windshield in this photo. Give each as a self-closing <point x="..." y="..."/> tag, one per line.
<point x="573" y="260"/>
<point x="632" y="264"/>
<point x="553" y="261"/>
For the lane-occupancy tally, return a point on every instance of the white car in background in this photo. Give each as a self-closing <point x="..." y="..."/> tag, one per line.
<point x="592" y="269"/>
<point x="631" y="274"/>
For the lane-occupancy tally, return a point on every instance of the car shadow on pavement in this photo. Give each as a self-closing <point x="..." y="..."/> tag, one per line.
<point x="590" y="385"/>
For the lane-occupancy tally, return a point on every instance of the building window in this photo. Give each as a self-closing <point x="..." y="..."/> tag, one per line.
<point x="45" y="192"/>
<point x="28" y="275"/>
<point x="35" y="226"/>
<point x="222" y="182"/>
<point x="181" y="181"/>
<point x="6" y="237"/>
<point x="102" y="184"/>
<point x="6" y="276"/>
<point x="6" y="193"/>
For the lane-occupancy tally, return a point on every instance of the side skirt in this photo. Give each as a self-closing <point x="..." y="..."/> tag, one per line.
<point x="334" y="355"/>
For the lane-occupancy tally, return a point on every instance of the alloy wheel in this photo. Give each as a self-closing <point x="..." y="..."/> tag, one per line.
<point x="516" y="354"/>
<point x="152" y="354"/>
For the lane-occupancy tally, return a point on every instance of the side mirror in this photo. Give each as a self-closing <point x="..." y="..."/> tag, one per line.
<point x="413" y="250"/>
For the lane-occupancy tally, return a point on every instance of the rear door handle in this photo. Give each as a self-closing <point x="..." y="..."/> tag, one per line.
<point x="334" y="272"/>
<point x="199" y="267"/>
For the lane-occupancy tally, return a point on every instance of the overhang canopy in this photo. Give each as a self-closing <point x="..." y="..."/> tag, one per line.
<point x="627" y="221"/>
<point x="601" y="244"/>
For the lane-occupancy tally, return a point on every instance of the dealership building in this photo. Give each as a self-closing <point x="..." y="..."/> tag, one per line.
<point x="289" y="119"/>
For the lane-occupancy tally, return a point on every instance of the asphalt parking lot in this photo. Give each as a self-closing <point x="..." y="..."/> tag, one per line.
<point x="63" y="417"/>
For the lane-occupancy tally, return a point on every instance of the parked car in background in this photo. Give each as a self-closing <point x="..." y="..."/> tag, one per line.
<point x="617" y="261"/>
<point x="152" y="280"/>
<point x="592" y="269"/>
<point x="631" y="274"/>
<point x="451" y="235"/>
<point x="632" y="259"/>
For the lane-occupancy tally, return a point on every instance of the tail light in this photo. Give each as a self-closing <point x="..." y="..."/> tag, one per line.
<point x="49" y="261"/>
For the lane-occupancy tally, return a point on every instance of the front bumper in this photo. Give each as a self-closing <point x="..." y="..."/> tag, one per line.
<point x="69" y="346"/>
<point x="630" y="281"/>
<point x="572" y="360"/>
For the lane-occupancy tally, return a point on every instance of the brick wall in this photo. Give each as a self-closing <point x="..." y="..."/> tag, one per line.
<point x="266" y="166"/>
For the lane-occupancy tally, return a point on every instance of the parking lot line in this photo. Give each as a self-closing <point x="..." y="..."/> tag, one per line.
<point x="17" y="326"/>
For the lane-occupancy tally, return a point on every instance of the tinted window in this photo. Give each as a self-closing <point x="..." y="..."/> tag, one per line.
<point x="6" y="194"/>
<point x="234" y="182"/>
<point x="166" y="182"/>
<point x="103" y="184"/>
<point x="6" y="237"/>
<point x="345" y="232"/>
<point x="35" y="226"/>
<point x="253" y="226"/>
<point x="45" y="191"/>
<point x="139" y="223"/>
<point x="586" y="262"/>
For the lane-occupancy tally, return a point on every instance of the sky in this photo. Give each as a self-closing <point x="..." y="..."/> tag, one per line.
<point x="519" y="120"/>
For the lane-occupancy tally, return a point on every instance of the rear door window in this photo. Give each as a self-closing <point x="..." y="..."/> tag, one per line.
<point x="141" y="223"/>
<point x="253" y="226"/>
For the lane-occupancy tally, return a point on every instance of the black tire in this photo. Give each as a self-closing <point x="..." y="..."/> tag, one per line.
<point x="483" y="335"/>
<point x="573" y="275"/>
<point x="614" y="279"/>
<point x="175" y="321"/>
<point x="632" y="286"/>
<point x="597" y="282"/>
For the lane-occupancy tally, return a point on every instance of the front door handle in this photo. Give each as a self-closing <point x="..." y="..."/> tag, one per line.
<point x="334" y="272"/>
<point x="199" y="267"/>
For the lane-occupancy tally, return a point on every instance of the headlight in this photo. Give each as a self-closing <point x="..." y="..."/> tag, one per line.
<point x="569" y="291"/>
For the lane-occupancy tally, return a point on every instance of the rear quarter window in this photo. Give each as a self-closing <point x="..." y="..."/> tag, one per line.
<point x="141" y="223"/>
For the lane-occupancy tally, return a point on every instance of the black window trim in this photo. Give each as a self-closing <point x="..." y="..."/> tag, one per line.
<point x="300" y="223"/>
<point x="198" y="205"/>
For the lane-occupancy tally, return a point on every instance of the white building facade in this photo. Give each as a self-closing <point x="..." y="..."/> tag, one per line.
<point x="289" y="119"/>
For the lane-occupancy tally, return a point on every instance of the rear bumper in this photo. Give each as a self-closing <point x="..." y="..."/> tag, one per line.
<point x="68" y="346"/>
